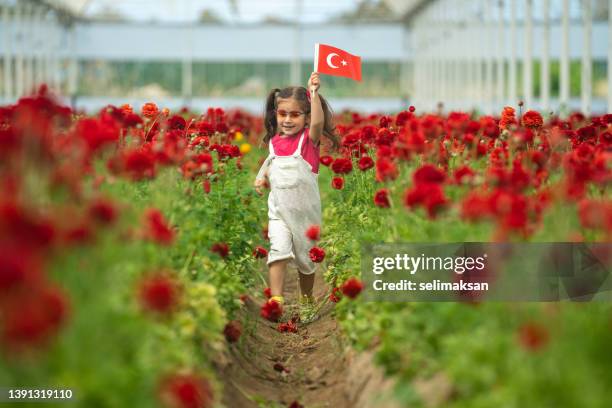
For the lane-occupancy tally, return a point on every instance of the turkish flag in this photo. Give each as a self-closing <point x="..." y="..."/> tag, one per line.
<point x="334" y="61"/>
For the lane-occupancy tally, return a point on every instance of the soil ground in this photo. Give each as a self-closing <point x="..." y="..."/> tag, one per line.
<point x="320" y="370"/>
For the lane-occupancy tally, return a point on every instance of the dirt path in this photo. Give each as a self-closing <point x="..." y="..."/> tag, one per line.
<point x="320" y="370"/>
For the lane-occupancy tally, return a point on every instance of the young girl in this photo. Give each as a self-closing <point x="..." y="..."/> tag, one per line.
<point x="295" y="120"/>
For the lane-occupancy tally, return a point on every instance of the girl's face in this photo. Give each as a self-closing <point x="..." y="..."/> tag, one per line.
<point x="290" y="117"/>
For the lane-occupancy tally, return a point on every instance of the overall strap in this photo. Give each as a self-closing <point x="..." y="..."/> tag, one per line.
<point x="298" y="151"/>
<point x="272" y="154"/>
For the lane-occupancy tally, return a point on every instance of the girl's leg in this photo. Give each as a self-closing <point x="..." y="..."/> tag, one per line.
<point x="306" y="283"/>
<point x="277" y="276"/>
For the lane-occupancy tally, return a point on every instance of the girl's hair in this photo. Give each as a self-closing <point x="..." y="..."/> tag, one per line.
<point x="300" y="94"/>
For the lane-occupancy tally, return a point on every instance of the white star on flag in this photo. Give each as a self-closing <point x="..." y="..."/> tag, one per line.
<point x="344" y="62"/>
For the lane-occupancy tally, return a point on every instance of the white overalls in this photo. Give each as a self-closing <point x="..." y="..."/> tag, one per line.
<point x="294" y="205"/>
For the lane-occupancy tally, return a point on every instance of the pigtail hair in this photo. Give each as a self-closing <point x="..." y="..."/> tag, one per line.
<point x="270" y="116"/>
<point x="329" y="130"/>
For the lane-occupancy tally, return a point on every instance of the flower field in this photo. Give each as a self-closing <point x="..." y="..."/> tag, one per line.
<point x="132" y="242"/>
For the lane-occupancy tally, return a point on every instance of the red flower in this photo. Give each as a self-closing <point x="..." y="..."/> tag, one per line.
<point x="96" y="133"/>
<point x="411" y="108"/>
<point x="289" y="327"/>
<point x="316" y="254"/>
<point x="384" y="121"/>
<point x="385" y="170"/>
<point x="159" y="292"/>
<point x="335" y="295"/>
<point x="533" y="336"/>
<point x="313" y="233"/>
<point x="507" y="118"/>
<point x="158" y="228"/>
<point x="139" y="164"/>
<point x="475" y="207"/>
<point x="428" y="173"/>
<point x="267" y="293"/>
<point x="220" y="248"/>
<point x="295" y="404"/>
<point x="232" y="331"/>
<point x="402" y="118"/>
<point x="149" y="110"/>
<point x="34" y="317"/>
<point x="206" y="186"/>
<point x="430" y="195"/>
<point x="19" y="267"/>
<point x="342" y="166"/>
<point x="177" y="122"/>
<point x="26" y="228"/>
<point x="259" y="252"/>
<point x="103" y="211"/>
<point x="326" y="160"/>
<point x="381" y="198"/>
<point x="366" y="163"/>
<point x="462" y="173"/>
<point x="352" y="287"/>
<point x="338" y="183"/>
<point x="532" y="119"/>
<point x="185" y="391"/>
<point x="271" y="310"/>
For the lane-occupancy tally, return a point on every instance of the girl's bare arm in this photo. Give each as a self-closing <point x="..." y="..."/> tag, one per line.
<point x="317" y="118"/>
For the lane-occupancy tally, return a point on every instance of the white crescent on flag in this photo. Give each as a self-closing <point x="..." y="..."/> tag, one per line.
<point x="329" y="60"/>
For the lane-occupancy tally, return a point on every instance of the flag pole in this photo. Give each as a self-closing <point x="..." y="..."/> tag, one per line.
<point x="316" y="66"/>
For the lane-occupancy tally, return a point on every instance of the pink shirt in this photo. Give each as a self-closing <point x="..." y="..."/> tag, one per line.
<point x="285" y="146"/>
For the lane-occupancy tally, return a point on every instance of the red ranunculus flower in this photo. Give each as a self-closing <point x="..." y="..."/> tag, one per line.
<point x="316" y="254"/>
<point x="338" y="183"/>
<point x="149" y="110"/>
<point x="260" y="252"/>
<point x="232" y="331"/>
<point x="429" y="195"/>
<point x="271" y="310"/>
<point x="139" y="163"/>
<point x="532" y="119"/>
<point x="385" y="170"/>
<point x="185" y="391"/>
<point x="206" y="186"/>
<point x="33" y="318"/>
<point x="288" y="327"/>
<point x="352" y="288"/>
<point x="313" y="232"/>
<point x="96" y="133"/>
<point x="507" y="118"/>
<point x="366" y="163"/>
<point x="463" y="173"/>
<point x="342" y="166"/>
<point x="103" y="211"/>
<point x="381" y="198"/>
<point x="267" y="293"/>
<point x="335" y="295"/>
<point x="159" y="292"/>
<point x="220" y="248"/>
<point x="326" y="160"/>
<point x="177" y="122"/>
<point x="158" y="229"/>
<point x="428" y="173"/>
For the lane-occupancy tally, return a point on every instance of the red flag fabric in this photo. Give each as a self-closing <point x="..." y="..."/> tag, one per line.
<point x="334" y="61"/>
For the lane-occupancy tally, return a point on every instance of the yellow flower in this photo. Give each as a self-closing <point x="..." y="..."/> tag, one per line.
<point x="245" y="148"/>
<point x="239" y="136"/>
